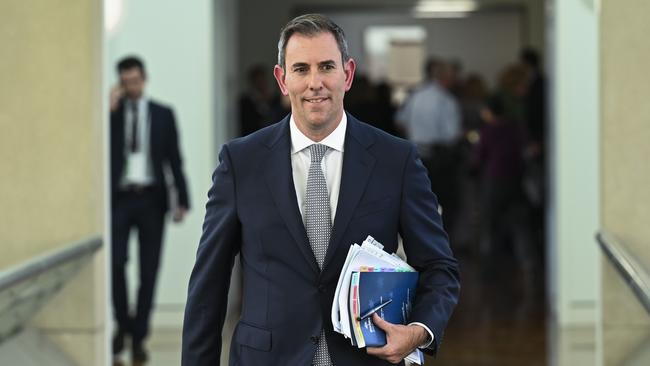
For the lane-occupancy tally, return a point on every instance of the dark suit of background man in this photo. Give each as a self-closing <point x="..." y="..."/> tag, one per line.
<point x="292" y="222"/>
<point x="144" y="142"/>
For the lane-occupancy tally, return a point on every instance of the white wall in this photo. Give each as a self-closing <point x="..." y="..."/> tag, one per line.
<point x="574" y="196"/>
<point x="175" y="39"/>
<point x="484" y="43"/>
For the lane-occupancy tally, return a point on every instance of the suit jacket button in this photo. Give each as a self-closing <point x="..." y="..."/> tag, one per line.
<point x="314" y="339"/>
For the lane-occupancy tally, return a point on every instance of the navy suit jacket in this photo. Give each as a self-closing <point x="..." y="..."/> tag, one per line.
<point x="163" y="150"/>
<point x="252" y="210"/>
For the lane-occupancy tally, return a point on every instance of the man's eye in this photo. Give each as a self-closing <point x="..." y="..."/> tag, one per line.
<point x="300" y="70"/>
<point x="328" y="67"/>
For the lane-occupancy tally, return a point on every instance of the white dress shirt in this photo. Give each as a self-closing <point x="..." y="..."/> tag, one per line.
<point x="430" y="115"/>
<point x="137" y="169"/>
<point x="331" y="164"/>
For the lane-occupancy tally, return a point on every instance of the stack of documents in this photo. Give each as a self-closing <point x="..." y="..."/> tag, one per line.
<point x="373" y="280"/>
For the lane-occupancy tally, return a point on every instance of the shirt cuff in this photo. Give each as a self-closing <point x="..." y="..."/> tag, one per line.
<point x="429" y="340"/>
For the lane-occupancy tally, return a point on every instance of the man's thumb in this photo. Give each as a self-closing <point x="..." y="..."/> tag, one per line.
<point x="381" y="323"/>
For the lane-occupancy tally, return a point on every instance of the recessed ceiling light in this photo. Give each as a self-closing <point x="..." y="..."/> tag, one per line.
<point x="442" y="6"/>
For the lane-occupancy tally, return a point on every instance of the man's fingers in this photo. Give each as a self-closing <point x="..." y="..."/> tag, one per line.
<point x="397" y="341"/>
<point x="385" y="353"/>
<point x="388" y="352"/>
<point x="376" y="351"/>
<point x="381" y="323"/>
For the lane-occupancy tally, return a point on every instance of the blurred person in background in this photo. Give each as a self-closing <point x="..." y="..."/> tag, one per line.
<point x="371" y="102"/>
<point x="499" y="154"/>
<point x="535" y="111"/>
<point x="259" y="105"/>
<point x="511" y="89"/>
<point x="473" y="96"/>
<point x="360" y="101"/>
<point x="144" y="143"/>
<point x="455" y="83"/>
<point x="535" y="96"/>
<point x="431" y="119"/>
<point x="473" y="92"/>
<point x="385" y="107"/>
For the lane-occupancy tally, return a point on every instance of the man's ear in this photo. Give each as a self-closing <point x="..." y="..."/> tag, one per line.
<point x="278" y="72"/>
<point x="349" y="67"/>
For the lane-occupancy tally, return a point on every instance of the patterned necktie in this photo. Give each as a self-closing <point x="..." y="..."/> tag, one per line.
<point x="318" y="224"/>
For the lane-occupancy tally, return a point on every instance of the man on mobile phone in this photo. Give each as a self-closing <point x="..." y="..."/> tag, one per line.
<point x="144" y="142"/>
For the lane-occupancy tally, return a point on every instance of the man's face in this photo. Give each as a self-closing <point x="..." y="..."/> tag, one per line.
<point x="315" y="79"/>
<point x="132" y="82"/>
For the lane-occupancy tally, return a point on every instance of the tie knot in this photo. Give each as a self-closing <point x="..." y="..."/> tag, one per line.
<point x="317" y="152"/>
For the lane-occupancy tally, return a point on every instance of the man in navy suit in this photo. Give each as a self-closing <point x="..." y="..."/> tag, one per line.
<point x="291" y="199"/>
<point x="144" y="142"/>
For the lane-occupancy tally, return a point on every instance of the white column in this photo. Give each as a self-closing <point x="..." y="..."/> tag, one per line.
<point x="573" y="214"/>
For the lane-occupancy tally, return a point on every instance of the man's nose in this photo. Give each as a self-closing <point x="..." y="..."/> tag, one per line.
<point x="315" y="81"/>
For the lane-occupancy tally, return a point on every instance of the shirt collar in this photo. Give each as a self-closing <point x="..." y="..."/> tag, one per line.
<point x="142" y="102"/>
<point x="334" y="140"/>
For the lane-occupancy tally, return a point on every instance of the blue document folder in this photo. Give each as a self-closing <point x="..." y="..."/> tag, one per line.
<point x="376" y="288"/>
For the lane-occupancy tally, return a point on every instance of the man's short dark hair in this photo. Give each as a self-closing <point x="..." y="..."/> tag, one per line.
<point x="430" y="67"/>
<point x="311" y="25"/>
<point x="530" y="56"/>
<point x="130" y="62"/>
<point x="496" y="105"/>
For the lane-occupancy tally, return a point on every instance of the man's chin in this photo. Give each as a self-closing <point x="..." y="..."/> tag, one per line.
<point x="319" y="121"/>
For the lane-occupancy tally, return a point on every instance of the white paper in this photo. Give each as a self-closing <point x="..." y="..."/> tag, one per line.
<point x="369" y="254"/>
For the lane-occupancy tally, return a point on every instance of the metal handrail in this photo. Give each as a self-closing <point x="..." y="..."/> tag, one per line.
<point x="24" y="289"/>
<point x="36" y="266"/>
<point x="635" y="275"/>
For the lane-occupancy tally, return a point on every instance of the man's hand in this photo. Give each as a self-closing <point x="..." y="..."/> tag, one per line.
<point x="117" y="92"/>
<point x="179" y="214"/>
<point x="401" y="340"/>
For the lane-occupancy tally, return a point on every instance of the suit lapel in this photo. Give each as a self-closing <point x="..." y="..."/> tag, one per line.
<point x="117" y="130"/>
<point x="154" y="130"/>
<point x="279" y="179"/>
<point x="357" y="166"/>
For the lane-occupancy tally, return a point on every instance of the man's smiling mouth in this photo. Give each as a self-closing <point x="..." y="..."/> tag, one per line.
<point x="316" y="100"/>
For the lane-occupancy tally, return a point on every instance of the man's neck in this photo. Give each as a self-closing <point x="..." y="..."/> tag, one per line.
<point x="318" y="135"/>
<point x="135" y="99"/>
